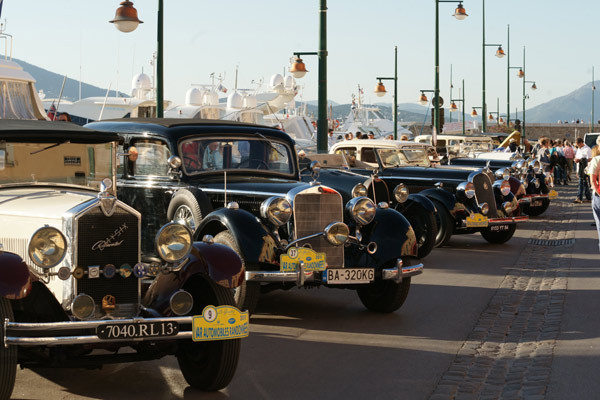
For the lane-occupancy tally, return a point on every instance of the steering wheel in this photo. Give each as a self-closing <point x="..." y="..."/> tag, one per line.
<point x="191" y="163"/>
<point x="260" y="163"/>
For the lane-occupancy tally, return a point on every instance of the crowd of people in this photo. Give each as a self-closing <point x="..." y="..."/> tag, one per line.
<point x="332" y="138"/>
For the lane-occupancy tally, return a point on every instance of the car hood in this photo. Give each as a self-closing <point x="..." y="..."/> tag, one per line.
<point x="439" y="173"/>
<point x="255" y="185"/>
<point x="40" y="202"/>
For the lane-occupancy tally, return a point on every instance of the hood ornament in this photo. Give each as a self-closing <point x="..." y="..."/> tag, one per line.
<point x="107" y="201"/>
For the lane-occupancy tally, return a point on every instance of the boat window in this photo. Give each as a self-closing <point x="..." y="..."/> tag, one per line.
<point x="16" y="101"/>
<point x="214" y="154"/>
<point x="152" y="158"/>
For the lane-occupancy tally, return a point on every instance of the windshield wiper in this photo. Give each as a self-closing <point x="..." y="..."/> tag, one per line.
<point x="270" y="144"/>
<point x="49" y="147"/>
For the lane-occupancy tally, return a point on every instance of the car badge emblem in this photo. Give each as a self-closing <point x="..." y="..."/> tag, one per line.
<point x="109" y="271"/>
<point x="64" y="273"/>
<point x="109" y="302"/>
<point x="140" y="270"/>
<point x="78" y="273"/>
<point x="94" y="271"/>
<point x="125" y="271"/>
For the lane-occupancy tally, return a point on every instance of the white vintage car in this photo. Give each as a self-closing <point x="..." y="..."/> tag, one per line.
<point x="71" y="280"/>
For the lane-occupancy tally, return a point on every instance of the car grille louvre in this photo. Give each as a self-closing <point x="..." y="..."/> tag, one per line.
<point x="312" y="213"/>
<point x="94" y="227"/>
<point x="484" y="193"/>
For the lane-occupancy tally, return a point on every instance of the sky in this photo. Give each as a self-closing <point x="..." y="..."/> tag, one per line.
<point x="258" y="38"/>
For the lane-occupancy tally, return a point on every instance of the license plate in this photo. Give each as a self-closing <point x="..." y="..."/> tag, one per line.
<point x="136" y="330"/>
<point x="536" y="203"/>
<point x="477" y="220"/>
<point x="350" y="275"/>
<point x="499" y="228"/>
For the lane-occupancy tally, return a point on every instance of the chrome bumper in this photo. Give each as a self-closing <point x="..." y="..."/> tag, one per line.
<point x="527" y="199"/>
<point x="10" y="328"/>
<point x="509" y="220"/>
<point x="399" y="272"/>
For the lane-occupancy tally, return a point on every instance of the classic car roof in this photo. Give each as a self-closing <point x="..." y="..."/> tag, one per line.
<point x="379" y="143"/>
<point x="177" y="128"/>
<point x="17" y="130"/>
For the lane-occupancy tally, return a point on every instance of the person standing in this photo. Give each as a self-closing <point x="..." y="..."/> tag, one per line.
<point x="582" y="156"/>
<point x="594" y="171"/>
<point x="569" y="154"/>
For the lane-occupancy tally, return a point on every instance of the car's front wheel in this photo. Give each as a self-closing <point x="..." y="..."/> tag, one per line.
<point x="246" y="295"/>
<point x="445" y="224"/>
<point x="499" y="236"/>
<point x="425" y="227"/>
<point x="537" y="210"/>
<point x="208" y="366"/>
<point x="8" y="355"/>
<point x="384" y="296"/>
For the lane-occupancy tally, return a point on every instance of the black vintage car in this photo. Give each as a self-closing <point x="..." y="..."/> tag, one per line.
<point x="240" y="184"/>
<point x="538" y="185"/>
<point x="469" y="201"/>
<point x="71" y="275"/>
<point x="416" y="208"/>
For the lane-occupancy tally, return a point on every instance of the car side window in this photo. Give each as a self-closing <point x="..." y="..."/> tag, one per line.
<point x="367" y="154"/>
<point x="152" y="158"/>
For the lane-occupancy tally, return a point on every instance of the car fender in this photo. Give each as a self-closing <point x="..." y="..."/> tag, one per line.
<point x="441" y="195"/>
<point x="256" y="243"/>
<point x="15" y="279"/>
<point x="416" y="200"/>
<point x="393" y="234"/>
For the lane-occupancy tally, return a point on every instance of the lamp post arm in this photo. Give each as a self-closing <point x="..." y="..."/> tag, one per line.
<point x="159" y="63"/>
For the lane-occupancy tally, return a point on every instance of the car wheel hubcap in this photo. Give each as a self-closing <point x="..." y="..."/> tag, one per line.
<point x="183" y="213"/>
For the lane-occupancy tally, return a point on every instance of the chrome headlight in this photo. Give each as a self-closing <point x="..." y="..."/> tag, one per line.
<point x="524" y="181"/>
<point x="277" y="210"/>
<point x="505" y="187"/>
<point x="359" y="190"/>
<point x="47" y="247"/>
<point x="535" y="164"/>
<point x="181" y="302"/>
<point x="468" y="188"/>
<point x="536" y="182"/>
<point x="337" y="233"/>
<point x="508" y="207"/>
<point x="173" y="242"/>
<point x="361" y="210"/>
<point x="485" y="208"/>
<point x="401" y="193"/>
<point x="83" y="307"/>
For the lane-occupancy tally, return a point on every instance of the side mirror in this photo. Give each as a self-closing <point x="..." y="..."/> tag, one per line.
<point x="174" y="162"/>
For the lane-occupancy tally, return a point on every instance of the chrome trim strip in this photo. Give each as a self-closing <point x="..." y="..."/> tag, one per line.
<point x="67" y="340"/>
<point x="69" y="325"/>
<point x="277" y="276"/>
<point x="510" y="220"/>
<point x="247" y="192"/>
<point x="396" y="274"/>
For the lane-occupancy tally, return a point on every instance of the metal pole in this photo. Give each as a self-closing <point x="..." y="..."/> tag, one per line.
<point x="451" y="86"/>
<point x="483" y="109"/>
<point x="395" y="92"/>
<point x="463" y="105"/>
<point x="322" y="118"/>
<point x="498" y="111"/>
<point x="508" y="78"/>
<point x="524" y="78"/>
<point x="159" y="63"/>
<point x="436" y="93"/>
<point x="593" y="89"/>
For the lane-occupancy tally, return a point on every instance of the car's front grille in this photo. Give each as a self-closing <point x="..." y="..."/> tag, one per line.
<point x="106" y="240"/>
<point x="313" y="211"/>
<point x="484" y="193"/>
<point x="378" y="191"/>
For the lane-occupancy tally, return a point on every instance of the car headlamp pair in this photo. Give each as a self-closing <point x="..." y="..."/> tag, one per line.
<point x="468" y="188"/>
<point x="276" y="210"/>
<point x="361" y="210"/>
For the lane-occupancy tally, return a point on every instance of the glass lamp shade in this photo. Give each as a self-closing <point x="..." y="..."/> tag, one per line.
<point x="500" y="52"/>
<point x="126" y="17"/>
<point x="460" y="12"/>
<point x="423" y="100"/>
<point x="380" y="90"/>
<point x="491" y="117"/>
<point x="520" y="74"/>
<point x="474" y="113"/>
<point x="534" y="87"/>
<point x="298" y="69"/>
<point x="453" y="107"/>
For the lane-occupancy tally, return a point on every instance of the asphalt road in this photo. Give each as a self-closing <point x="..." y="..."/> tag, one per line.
<point x="323" y="344"/>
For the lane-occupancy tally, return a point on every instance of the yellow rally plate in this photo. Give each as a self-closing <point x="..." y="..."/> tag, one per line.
<point x="553" y="194"/>
<point x="477" y="221"/>
<point x="312" y="260"/>
<point x="220" y="323"/>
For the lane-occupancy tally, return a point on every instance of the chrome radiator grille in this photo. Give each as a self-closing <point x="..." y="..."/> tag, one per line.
<point x="103" y="240"/>
<point x="313" y="211"/>
<point x="484" y="193"/>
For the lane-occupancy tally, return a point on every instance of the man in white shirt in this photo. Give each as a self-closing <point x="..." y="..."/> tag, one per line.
<point x="212" y="157"/>
<point x="582" y="156"/>
<point x="594" y="171"/>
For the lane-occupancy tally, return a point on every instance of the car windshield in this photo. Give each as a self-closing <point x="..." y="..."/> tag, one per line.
<point x="405" y="157"/>
<point x="66" y="163"/>
<point x="200" y="155"/>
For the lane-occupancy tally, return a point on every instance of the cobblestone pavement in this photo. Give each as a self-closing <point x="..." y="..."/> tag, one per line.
<point x="509" y="352"/>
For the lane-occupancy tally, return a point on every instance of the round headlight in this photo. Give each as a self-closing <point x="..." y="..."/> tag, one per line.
<point x="361" y="210"/>
<point x="535" y="165"/>
<point x="470" y="190"/>
<point x="524" y="181"/>
<point x="181" y="302"/>
<point x="401" y="193"/>
<point x="337" y="233"/>
<point x="173" y="242"/>
<point x="508" y="207"/>
<point x="505" y="187"/>
<point x="485" y="208"/>
<point x="359" y="190"/>
<point x="83" y="307"/>
<point x="47" y="247"/>
<point x="277" y="210"/>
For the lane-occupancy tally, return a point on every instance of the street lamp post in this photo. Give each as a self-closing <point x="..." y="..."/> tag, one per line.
<point x="454" y="108"/>
<point x="499" y="53"/>
<point x="298" y="70"/>
<point x="459" y="14"/>
<point x="126" y="20"/>
<point x="497" y="112"/>
<point x="380" y="90"/>
<point x="593" y="90"/>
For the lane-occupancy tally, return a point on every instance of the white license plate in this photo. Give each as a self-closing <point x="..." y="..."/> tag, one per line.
<point x="499" y="228"/>
<point x="137" y="330"/>
<point x="350" y="275"/>
<point x="536" y="203"/>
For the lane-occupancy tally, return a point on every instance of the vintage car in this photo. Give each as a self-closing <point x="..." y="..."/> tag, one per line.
<point x="537" y="183"/>
<point x="416" y="208"/>
<point x="71" y="277"/>
<point x="240" y="184"/>
<point x="467" y="200"/>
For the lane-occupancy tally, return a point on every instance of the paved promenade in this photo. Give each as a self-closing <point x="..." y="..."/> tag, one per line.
<point x="539" y="337"/>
